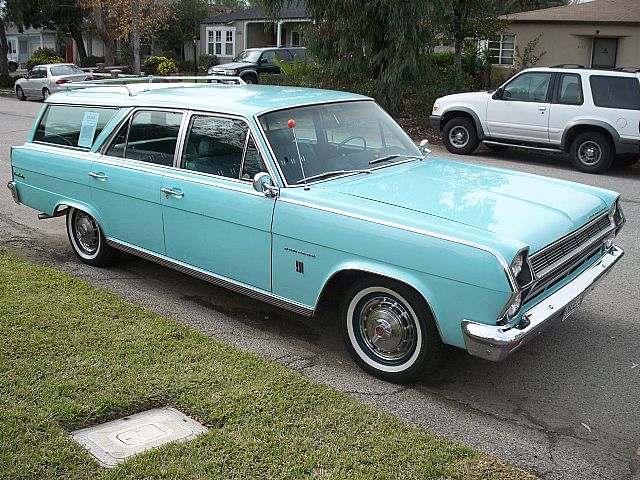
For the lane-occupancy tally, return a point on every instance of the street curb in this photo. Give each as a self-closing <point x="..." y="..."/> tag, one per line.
<point x="7" y="92"/>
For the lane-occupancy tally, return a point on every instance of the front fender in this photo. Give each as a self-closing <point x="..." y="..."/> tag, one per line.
<point x="452" y="110"/>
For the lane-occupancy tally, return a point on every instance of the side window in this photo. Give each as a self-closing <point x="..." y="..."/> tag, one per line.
<point x="615" y="92"/>
<point x="152" y="137"/>
<point x="215" y="146"/>
<point x="267" y="57"/>
<point x="119" y="143"/>
<point x="570" y="89"/>
<point x="253" y="163"/>
<point x="284" y="55"/>
<point x="72" y="126"/>
<point x="528" y="87"/>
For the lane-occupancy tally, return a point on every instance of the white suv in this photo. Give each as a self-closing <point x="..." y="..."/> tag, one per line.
<point x="592" y="114"/>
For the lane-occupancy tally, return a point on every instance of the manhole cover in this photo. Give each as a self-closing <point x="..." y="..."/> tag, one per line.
<point x="115" y="441"/>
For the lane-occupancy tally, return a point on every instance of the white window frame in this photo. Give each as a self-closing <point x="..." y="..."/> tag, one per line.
<point x="222" y="37"/>
<point x="498" y="53"/>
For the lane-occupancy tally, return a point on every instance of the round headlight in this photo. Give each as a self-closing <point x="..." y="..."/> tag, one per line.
<point x="516" y="265"/>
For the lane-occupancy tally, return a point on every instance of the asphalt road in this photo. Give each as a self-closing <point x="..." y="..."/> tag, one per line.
<point x="532" y="410"/>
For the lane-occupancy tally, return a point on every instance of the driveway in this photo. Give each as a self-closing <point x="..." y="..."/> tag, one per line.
<point x="565" y="407"/>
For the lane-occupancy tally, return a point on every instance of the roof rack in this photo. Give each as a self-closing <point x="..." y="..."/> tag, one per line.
<point x="627" y="69"/>
<point x="128" y="81"/>
<point x="568" y="65"/>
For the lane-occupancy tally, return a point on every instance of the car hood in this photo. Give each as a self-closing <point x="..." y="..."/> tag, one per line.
<point x="233" y="66"/>
<point x="527" y="208"/>
<point x="467" y="96"/>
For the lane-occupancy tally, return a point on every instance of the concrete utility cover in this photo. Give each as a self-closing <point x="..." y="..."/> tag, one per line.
<point x="115" y="441"/>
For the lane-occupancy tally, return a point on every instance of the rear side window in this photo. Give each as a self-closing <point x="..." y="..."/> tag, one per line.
<point x="71" y="126"/>
<point x="150" y="136"/>
<point x="615" y="92"/>
<point x="570" y="89"/>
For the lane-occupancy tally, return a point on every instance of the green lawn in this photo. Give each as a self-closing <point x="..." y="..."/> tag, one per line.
<point x="72" y="356"/>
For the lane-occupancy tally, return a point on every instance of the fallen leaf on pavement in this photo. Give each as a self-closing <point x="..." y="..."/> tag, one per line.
<point x="586" y="426"/>
<point x="634" y="365"/>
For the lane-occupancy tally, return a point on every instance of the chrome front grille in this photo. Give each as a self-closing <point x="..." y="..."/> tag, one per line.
<point x="562" y="253"/>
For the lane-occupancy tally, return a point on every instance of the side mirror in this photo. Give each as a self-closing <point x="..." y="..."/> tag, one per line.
<point x="26" y="75"/>
<point x="497" y="95"/>
<point x="424" y="147"/>
<point x="262" y="183"/>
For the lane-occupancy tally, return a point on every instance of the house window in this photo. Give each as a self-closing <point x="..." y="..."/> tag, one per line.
<point x="296" y="39"/>
<point x="502" y="49"/>
<point x="220" y="41"/>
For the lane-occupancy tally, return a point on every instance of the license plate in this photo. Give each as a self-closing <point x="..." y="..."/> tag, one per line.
<point x="572" y="306"/>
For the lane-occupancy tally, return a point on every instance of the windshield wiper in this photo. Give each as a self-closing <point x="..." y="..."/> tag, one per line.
<point x="391" y="157"/>
<point x="330" y="174"/>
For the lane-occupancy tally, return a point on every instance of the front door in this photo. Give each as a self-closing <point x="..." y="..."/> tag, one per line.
<point x="126" y="181"/>
<point x="213" y="218"/>
<point x="605" y="51"/>
<point x="521" y="111"/>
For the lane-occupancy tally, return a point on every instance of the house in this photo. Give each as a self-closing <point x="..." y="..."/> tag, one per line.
<point x="22" y="44"/>
<point x="598" y="34"/>
<point x="227" y="35"/>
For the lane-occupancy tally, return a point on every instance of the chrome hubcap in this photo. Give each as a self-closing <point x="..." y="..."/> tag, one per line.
<point x="386" y="327"/>
<point x="589" y="153"/>
<point x="87" y="233"/>
<point x="459" y="137"/>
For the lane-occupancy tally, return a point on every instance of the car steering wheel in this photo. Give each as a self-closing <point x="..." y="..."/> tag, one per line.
<point x="348" y="139"/>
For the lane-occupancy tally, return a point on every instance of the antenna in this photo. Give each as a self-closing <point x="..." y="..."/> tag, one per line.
<point x="292" y="125"/>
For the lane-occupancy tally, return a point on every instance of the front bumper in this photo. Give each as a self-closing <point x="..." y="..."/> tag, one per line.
<point x="14" y="191"/>
<point x="435" y="121"/>
<point x="497" y="342"/>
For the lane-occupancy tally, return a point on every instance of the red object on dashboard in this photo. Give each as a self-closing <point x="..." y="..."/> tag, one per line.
<point x="291" y="123"/>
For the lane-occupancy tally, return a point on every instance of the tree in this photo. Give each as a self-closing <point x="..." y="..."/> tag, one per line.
<point x="383" y="42"/>
<point x="186" y="16"/>
<point x="127" y="20"/>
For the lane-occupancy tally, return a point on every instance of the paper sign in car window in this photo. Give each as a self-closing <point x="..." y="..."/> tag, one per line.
<point x="88" y="129"/>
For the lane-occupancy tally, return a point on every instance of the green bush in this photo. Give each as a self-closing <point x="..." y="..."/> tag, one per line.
<point x="7" y="81"/>
<point x="91" y="61"/>
<point x="206" y="61"/>
<point x="151" y="64"/>
<point x="167" y="67"/>
<point x="35" y="60"/>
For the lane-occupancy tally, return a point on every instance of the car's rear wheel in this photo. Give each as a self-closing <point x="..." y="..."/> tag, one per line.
<point x="45" y="93"/>
<point x="87" y="239"/>
<point x="626" y="160"/>
<point x="389" y="330"/>
<point x="459" y="136"/>
<point x="592" y="152"/>
<point x="20" y="94"/>
<point x="12" y="66"/>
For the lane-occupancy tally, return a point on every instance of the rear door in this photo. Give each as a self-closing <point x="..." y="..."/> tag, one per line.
<point x="126" y="180"/>
<point x="521" y="112"/>
<point x="567" y="104"/>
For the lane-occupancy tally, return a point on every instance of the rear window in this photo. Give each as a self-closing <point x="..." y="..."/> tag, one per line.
<point x="65" y="70"/>
<point x="71" y="126"/>
<point x="615" y="92"/>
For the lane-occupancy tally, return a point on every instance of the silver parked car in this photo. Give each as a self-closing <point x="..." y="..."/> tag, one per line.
<point x="43" y="80"/>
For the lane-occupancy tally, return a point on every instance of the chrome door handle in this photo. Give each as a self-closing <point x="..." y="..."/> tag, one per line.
<point x="173" y="193"/>
<point x="99" y="175"/>
<point x="542" y="107"/>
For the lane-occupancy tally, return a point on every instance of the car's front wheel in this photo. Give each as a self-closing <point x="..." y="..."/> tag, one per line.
<point x="389" y="330"/>
<point x="20" y="94"/>
<point x="45" y="93"/>
<point x="459" y="136"/>
<point x="250" y="79"/>
<point x="87" y="239"/>
<point x="592" y="152"/>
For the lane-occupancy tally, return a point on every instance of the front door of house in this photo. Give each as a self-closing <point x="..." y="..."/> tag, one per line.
<point x="604" y="52"/>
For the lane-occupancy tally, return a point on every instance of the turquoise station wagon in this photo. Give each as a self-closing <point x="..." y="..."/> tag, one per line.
<point x="302" y="197"/>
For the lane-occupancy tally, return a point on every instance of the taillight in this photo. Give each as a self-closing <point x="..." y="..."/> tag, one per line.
<point x="61" y="81"/>
<point x="90" y="77"/>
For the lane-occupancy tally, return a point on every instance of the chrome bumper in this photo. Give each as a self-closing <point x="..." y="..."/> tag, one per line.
<point x="497" y="342"/>
<point x="14" y="191"/>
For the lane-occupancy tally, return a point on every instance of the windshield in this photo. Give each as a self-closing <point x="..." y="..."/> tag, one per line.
<point x="250" y="56"/>
<point x="334" y="139"/>
<point x="65" y="70"/>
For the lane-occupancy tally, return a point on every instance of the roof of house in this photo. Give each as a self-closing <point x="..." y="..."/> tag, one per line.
<point x="598" y="11"/>
<point x="257" y="13"/>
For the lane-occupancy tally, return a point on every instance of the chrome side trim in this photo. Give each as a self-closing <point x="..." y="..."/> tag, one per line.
<point x="505" y="266"/>
<point x="252" y="292"/>
<point x="497" y="342"/>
